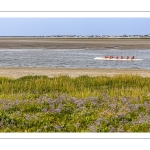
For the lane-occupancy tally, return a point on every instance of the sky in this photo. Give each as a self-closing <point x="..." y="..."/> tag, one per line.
<point x="73" y="26"/>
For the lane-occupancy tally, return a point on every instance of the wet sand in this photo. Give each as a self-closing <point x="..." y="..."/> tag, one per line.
<point x="74" y="43"/>
<point x="72" y="72"/>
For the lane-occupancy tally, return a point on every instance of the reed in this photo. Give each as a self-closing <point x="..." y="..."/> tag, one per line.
<point x="83" y="104"/>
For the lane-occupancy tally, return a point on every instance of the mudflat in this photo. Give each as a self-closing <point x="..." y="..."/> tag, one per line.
<point x="74" y="43"/>
<point x="72" y="72"/>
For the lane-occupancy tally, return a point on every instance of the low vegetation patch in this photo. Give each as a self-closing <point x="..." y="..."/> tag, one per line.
<point x="83" y="104"/>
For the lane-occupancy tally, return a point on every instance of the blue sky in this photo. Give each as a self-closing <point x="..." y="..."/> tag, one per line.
<point x="73" y="26"/>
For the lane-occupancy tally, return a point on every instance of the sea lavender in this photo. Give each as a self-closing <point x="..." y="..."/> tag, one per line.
<point x="91" y="128"/>
<point x="57" y="111"/>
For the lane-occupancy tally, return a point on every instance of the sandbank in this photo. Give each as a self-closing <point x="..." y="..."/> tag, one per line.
<point x="74" y="43"/>
<point x="15" y="72"/>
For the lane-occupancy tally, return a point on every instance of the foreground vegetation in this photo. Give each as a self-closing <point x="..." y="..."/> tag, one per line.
<point x="83" y="104"/>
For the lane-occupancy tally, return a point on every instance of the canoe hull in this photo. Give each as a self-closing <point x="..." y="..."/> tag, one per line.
<point x="100" y="58"/>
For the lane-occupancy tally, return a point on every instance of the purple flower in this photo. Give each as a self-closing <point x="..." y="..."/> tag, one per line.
<point x="75" y="100"/>
<point x="80" y="103"/>
<point x="27" y="117"/>
<point x="104" y="95"/>
<point x="56" y="110"/>
<point x="58" y="127"/>
<point x="91" y="128"/>
<point x="120" y="129"/>
<point x="124" y="100"/>
<point x="112" y="129"/>
<point x="45" y="109"/>
<point x="60" y="99"/>
<point x="49" y="100"/>
<point x="97" y="122"/>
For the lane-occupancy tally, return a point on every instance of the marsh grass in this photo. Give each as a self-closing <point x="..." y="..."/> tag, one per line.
<point x="83" y="104"/>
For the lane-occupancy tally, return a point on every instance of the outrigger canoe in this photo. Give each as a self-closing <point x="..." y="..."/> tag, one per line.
<point x="100" y="58"/>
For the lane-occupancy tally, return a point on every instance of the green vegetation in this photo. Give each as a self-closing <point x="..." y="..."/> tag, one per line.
<point x="83" y="104"/>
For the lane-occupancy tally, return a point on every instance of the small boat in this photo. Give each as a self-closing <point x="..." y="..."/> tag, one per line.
<point x="124" y="59"/>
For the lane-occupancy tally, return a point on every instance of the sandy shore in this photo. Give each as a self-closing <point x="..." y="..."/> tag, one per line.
<point x="66" y="43"/>
<point x="72" y="72"/>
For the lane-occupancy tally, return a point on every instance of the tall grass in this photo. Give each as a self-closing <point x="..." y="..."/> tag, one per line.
<point x="82" y="104"/>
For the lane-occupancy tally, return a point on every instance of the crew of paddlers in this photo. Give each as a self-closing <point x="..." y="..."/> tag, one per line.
<point x="111" y="57"/>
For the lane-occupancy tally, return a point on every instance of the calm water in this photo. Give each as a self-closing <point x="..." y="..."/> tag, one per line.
<point x="78" y="58"/>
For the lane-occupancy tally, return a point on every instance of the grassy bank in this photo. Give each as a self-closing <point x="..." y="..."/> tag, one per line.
<point x="82" y="104"/>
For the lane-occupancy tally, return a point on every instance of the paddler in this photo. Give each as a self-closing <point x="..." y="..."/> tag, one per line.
<point x="132" y="57"/>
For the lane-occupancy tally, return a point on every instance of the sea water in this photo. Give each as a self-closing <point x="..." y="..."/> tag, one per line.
<point x="71" y="58"/>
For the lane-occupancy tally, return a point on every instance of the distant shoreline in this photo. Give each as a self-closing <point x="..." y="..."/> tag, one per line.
<point x="73" y="43"/>
<point x="17" y="72"/>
